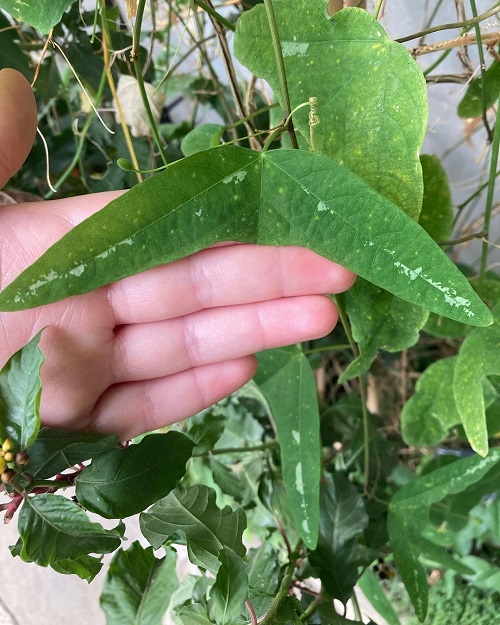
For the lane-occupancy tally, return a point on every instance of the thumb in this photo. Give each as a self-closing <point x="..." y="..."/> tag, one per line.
<point x="18" y="122"/>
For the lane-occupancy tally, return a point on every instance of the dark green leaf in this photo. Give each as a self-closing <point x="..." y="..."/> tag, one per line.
<point x="206" y="433"/>
<point x="342" y="521"/>
<point x="370" y="122"/>
<point x="263" y="577"/>
<point x="436" y="216"/>
<point x="286" y="379"/>
<point x="20" y="391"/>
<point x="472" y="102"/>
<point x="138" y="586"/>
<point x="11" y="54"/>
<point x="41" y="14"/>
<point x="227" y="480"/>
<point x="379" y="321"/>
<point x="230" y="590"/>
<point x="123" y="482"/>
<point x="194" y="513"/>
<point x="86" y="567"/>
<point x="281" y="197"/>
<point x="478" y="357"/>
<point x="409" y="513"/>
<point x="55" y="451"/>
<point x="202" y="138"/>
<point x="54" y="528"/>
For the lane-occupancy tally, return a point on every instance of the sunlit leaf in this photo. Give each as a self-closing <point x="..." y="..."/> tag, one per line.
<point x="138" y="586"/>
<point x="54" y="528"/>
<point x="282" y="197"/>
<point x="41" y="14"/>
<point x="20" y="391"/>
<point x="123" y="482"/>
<point x="372" y="100"/>
<point x="409" y="514"/>
<point x="286" y="379"/>
<point x="194" y="513"/>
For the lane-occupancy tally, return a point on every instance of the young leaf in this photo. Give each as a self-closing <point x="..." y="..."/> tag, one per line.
<point x="370" y="585"/>
<point x="409" y="513"/>
<point x="202" y="138"/>
<point x="379" y="321"/>
<point x="432" y="411"/>
<point x="123" y="482"/>
<point x="138" y="586"/>
<point x="472" y="102"/>
<point x="41" y="14"/>
<point x="193" y="512"/>
<point x="54" y="528"/>
<point x="20" y="391"/>
<point x="206" y="432"/>
<point x="286" y="380"/>
<point x="436" y="216"/>
<point x="230" y="590"/>
<point x="478" y="357"/>
<point x="343" y="519"/>
<point x="369" y="122"/>
<point x="282" y="197"/>
<point x="54" y="451"/>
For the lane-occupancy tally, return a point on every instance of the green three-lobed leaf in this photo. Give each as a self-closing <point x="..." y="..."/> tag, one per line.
<point x="283" y="197"/>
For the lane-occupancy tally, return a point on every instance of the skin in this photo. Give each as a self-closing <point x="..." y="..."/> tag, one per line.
<point x="160" y="346"/>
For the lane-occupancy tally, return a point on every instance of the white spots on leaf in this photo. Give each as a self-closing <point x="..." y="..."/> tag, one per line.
<point x="77" y="271"/>
<point x="49" y="277"/>
<point x="292" y="48"/>
<point x="198" y="213"/>
<point x="411" y="273"/>
<point x="322" y="206"/>
<point x="296" y="436"/>
<point x="299" y="479"/>
<point x="238" y="177"/>
<point x="305" y="526"/>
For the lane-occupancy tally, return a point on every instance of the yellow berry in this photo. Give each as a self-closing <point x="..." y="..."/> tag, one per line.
<point x="8" y="456"/>
<point x="7" y="445"/>
<point x="3" y="465"/>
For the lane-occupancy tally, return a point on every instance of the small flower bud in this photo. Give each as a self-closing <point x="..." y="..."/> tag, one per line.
<point x="7" y="445"/>
<point x="8" y="476"/>
<point x="8" y="456"/>
<point x="21" y="458"/>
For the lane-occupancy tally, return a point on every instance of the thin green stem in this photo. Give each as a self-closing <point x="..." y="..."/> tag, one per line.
<point x="327" y="348"/>
<point x="491" y="191"/>
<point x="347" y="326"/>
<point x="378" y="8"/>
<point x="135" y="60"/>
<point x="217" y="16"/>
<point x="83" y="136"/>
<point x="464" y="239"/>
<point x="256" y="113"/>
<point x="238" y="450"/>
<point x="435" y="29"/>
<point x="311" y="608"/>
<point x="285" y="95"/>
<point x="437" y="62"/>
<point x="484" y="106"/>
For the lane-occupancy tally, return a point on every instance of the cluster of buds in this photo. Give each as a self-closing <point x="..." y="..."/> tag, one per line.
<point x="9" y="458"/>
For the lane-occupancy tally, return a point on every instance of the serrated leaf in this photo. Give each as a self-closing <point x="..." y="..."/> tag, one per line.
<point x="41" y="14"/>
<point x="53" y="528"/>
<point x="477" y="358"/>
<point x="138" y="586"/>
<point x="472" y="102"/>
<point x="193" y="512"/>
<point x="54" y="451"/>
<point x="201" y="138"/>
<point x="230" y="590"/>
<point x="281" y="197"/>
<point x="369" y="121"/>
<point x="342" y="521"/>
<point x="370" y="585"/>
<point x="429" y="414"/>
<point x="86" y="567"/>
<point x="379" y="321"/>
<point x="286" y="379"/>
<point x="409" y="513"/>
<point x="20" y="391"/>
<point x="436" y="216"/>
<point x="123" y="482"/>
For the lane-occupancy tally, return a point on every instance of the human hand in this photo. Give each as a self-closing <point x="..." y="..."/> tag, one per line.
<point x="157" y="347"/>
